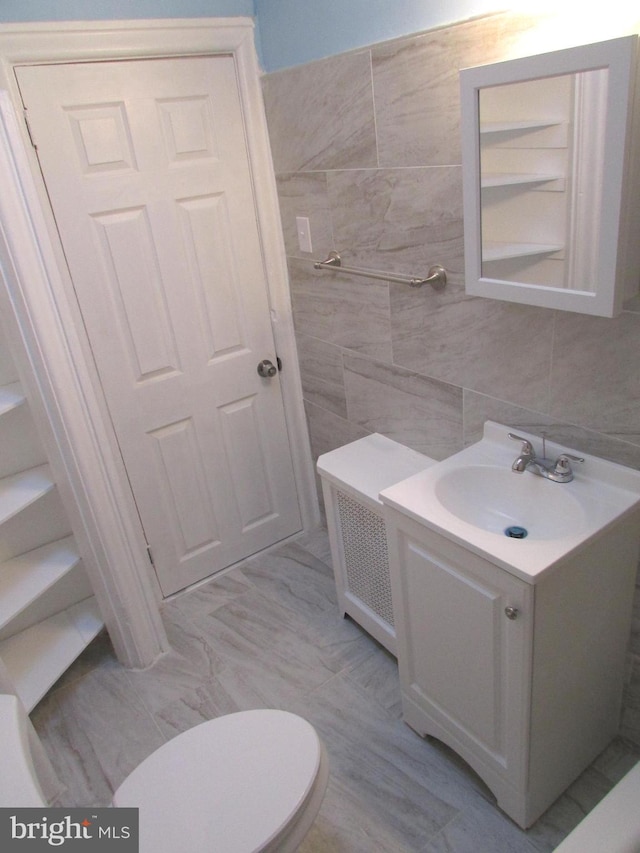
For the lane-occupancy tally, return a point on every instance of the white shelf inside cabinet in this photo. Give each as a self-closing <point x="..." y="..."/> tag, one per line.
<point x="11" y="397"/>
<point x="508" y="179"/>
<point x="25" y="578"/>
<point x="20" y="490"/>
<point x="496" y="251"/>
<point x="526" y="124"/>
<point x="38" y="656"/>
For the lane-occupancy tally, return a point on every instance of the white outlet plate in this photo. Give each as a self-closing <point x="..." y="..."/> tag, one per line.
<point x="304" y="234"/>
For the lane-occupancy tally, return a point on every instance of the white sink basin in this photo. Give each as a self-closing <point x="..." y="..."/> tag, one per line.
<point x="474" y="496"/>
<point x="499" y="500"/>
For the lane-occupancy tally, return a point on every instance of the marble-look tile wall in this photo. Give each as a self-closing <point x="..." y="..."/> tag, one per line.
<point x="367" y="146"/>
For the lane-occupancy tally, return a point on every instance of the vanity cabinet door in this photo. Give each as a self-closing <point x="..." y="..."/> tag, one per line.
<point x="464" y="636"/>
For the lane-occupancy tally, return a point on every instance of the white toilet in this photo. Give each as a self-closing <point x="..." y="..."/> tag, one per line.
<point x="251" y="781"/>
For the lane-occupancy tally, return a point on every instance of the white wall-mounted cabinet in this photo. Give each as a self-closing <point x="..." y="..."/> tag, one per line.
<point x="48" y="614"/>
<point x="523" y="680"/>
<point x="550" y="178"/>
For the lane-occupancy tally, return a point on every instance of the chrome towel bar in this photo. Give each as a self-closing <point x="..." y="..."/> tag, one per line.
<point x="436" y="277"/>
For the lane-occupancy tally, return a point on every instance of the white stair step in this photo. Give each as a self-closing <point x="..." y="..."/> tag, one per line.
<point x="20" y="490"/>
<point x="37" y="657"/>
<point x="25" y="578"/>
<point x="11" y="396"/>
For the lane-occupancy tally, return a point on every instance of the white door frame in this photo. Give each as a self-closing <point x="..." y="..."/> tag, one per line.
<point x="44" y="320"/>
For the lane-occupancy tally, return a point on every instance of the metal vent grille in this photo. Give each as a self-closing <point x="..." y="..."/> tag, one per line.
<point x="364" y="543"/>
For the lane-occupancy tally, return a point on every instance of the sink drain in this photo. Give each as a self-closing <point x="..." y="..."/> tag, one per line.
<point x="515" y="532"/>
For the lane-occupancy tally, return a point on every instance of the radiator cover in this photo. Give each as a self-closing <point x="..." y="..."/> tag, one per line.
<point x="366" y="559"/>
<point x="352" y="478"/>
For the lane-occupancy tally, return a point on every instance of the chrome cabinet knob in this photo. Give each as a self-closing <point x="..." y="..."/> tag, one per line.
<point x="511" y="612"/>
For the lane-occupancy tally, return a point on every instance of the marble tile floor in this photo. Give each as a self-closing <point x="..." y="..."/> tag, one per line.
<point x="268" y="634"/>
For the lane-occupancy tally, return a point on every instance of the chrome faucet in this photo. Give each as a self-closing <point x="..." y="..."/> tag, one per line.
<point x="527" y="454"/>
<point x="558" y="470"/>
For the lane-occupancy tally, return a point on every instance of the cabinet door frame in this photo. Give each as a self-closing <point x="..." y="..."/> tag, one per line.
<point x="44" y="324"/>
<point x="504" y="770"/>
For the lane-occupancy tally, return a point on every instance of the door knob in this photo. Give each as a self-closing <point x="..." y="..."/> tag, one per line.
<point x="267" y="369"/>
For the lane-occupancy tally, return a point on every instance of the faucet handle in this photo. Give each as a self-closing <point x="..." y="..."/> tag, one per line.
<point x="527" y="447"/>
<point x="562" y="464"/>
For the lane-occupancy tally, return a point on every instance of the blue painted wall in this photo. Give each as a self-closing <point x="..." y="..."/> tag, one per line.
<point x="288" y="32"/>
<point x="297" y="31"/>
<point x="94" y="10"/>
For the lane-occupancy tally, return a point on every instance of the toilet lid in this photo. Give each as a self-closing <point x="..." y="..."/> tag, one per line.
<point x="229" y="784"/>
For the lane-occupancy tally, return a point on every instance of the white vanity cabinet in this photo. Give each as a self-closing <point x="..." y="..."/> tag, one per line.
<point x="521" y="678"/>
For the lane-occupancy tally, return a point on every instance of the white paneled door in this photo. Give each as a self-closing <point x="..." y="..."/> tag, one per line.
<point x="146" y="166"/>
